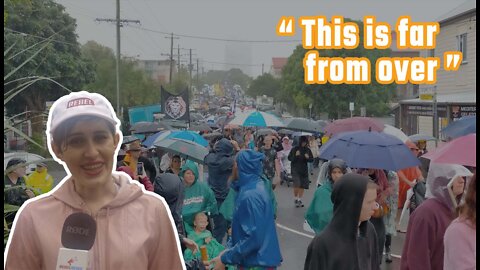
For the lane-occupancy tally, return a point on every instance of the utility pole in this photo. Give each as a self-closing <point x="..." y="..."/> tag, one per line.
<point x="197" y="76"/>
<point x="435" y="116"/>
<point x="178" y="56"/>
<point x="190" y="67"/>
<point x="119" y="23"/>
<point x="171" y="55"/>
<point x="262" y="69"/>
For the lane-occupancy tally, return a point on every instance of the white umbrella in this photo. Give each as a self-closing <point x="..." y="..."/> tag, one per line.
<point x="391" y="130"/>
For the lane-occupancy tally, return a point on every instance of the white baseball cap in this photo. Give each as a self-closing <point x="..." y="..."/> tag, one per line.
<point x="78" y="104"/>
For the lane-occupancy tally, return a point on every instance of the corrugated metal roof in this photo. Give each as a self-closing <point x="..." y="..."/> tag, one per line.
<point x="464" y="8"/>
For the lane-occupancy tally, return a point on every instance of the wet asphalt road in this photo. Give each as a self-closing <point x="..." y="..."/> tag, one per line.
<point x="293" y="239"/>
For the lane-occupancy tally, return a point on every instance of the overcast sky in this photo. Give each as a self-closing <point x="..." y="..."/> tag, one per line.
<point x="225" y="19"/>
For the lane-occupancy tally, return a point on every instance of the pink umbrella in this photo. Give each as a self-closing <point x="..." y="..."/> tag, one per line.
<point x="354" y="124"/>
<point x="461" y="151"/>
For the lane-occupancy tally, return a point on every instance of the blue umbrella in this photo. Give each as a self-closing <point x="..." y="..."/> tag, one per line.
<point x="151" y="139"/>
<point x="461" y="127"/>
<point x="369" y="149"/>
<point x="421" y="137"/>
<point x="184" y="135"/>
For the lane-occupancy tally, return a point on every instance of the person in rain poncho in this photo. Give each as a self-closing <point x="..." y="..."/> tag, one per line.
<point x="202" y="237"/>
<point x="220" y="163"/>
<point x="198" y="196"/>
<point x="460" y="238"/>
<point x="349" y="241"/>
<point x="40" y="181"/>
<point x="254" y="236"/>
<point x="320" y="211"/>
<point x="423" y="247"/>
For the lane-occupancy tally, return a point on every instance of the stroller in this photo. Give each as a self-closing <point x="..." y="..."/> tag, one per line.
<point x="286" y="171"/>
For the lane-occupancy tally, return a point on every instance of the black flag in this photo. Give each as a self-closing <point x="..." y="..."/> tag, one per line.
<point x="175" y="106"/>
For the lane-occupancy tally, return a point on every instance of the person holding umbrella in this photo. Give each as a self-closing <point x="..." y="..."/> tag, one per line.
<point x="300" y="155"/>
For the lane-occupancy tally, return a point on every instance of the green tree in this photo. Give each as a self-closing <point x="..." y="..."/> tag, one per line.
<point x="231" y="77"/>
<point x="45" y="21"/>
<point x="265" y="84"/>
<point x="136" y="88"/>
<point x="334" y="98"/>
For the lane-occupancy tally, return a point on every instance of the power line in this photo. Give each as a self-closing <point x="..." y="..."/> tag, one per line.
<point x="216" y="39"/>
<point x="39" y="37"/>
<point x="232" y="64"/>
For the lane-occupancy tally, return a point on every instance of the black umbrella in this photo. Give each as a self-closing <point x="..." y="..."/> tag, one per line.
<point x="129" y="139"/>
<point x="211" y="136"/>
<point x="303" y="124"/>
<point x="265" y="131"/>
<point x="285" y="131"/>
<point x="149" y="127"/>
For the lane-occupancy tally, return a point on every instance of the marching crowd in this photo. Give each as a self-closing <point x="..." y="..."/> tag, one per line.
<point x="224" y="210"/>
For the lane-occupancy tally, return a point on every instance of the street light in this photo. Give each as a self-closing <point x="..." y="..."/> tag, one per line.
<point x="310" y="107"/>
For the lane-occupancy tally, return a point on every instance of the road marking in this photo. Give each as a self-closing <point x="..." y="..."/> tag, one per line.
<point x="295" y="231"/>
<point x="312" y="236"/>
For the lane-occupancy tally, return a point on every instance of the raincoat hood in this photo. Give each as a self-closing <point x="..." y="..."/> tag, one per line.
<point x="190" y="165"/>
<point x="250" y="166"/>
<point x="224" y="146"/>
<point x="336" y="163"/>
<point x="127" y="192"/>
<point x="439" y="175"/>
<point x="170" y="187"/>
<point x="347" y="197"/>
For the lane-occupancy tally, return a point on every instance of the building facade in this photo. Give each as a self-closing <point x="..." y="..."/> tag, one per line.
<point x="454" y="91"/>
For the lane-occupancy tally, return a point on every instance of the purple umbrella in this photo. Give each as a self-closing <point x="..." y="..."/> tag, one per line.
<point x="353" y="124"/>
<point x="369" y="149"/>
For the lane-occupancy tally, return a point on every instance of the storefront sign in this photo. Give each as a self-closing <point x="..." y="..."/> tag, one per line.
<point x="425" y="110"/>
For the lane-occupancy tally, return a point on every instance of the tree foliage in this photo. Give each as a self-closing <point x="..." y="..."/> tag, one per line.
<point x="44" y="22"/>
<point x="265" y="84"/>
<point x="334" y="98"/>
<point x="136" y="88"/>
<point x="231" y="77"/>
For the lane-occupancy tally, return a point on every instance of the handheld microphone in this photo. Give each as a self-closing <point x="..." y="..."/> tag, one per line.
<point x="78" y="236"/>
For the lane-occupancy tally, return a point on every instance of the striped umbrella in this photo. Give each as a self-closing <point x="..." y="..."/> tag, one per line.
<point x="257" y="119"/>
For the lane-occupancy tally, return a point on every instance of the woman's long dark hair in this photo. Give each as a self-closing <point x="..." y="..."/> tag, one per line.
<point x="468" y="209"/>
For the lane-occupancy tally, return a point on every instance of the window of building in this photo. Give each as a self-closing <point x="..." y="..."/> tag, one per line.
<point x="462" y="46"/>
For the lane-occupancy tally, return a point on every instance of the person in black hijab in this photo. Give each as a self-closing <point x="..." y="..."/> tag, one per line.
<point x="349" y="242"/>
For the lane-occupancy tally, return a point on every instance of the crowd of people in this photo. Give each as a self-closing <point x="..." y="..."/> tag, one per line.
<point x="223" y="211"/>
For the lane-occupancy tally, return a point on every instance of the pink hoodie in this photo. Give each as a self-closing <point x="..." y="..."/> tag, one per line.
<point x="134" y="231"/>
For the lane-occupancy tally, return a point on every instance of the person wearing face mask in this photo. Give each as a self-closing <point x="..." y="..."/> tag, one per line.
<point x="423" y="247"/>
<point x="320" y="211"/>
<point x="349" y="241"/>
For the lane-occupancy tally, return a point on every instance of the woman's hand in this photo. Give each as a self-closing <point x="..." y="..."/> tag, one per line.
<point x="190" y="244"/>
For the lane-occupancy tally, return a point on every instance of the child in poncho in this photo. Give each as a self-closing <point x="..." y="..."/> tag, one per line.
<point x="202" y="236"/>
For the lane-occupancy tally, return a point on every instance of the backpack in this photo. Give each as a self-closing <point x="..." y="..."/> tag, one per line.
<point x="418" y="195"/>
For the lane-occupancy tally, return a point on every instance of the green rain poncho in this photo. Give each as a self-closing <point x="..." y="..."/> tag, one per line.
<point x="320" y="211"/>
<point x="213" y="247"/>
<point x="198" y="198"/>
